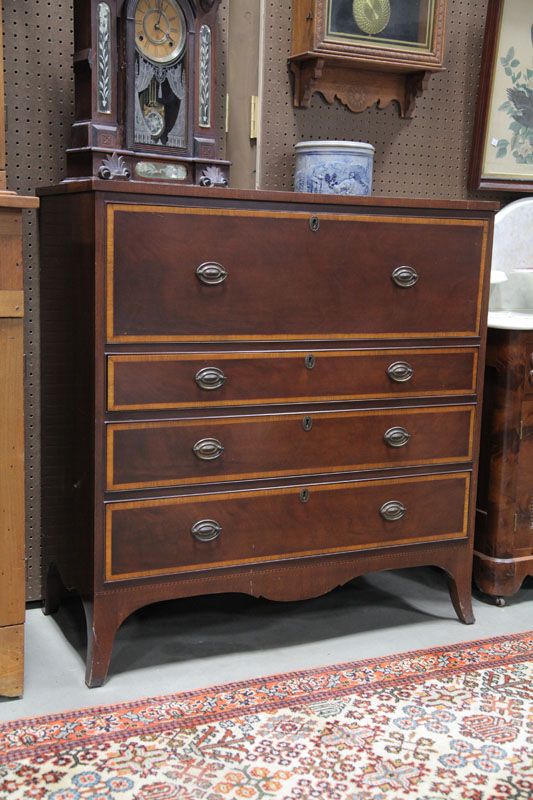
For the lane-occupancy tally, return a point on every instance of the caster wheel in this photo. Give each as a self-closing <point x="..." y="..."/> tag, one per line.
<point x="500" y="602"/>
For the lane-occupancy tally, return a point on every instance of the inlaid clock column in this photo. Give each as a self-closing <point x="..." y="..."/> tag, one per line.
<point x="12" y="517"/>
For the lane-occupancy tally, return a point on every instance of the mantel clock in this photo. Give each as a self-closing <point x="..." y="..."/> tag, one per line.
<point x="366" y="51"/>
<point x="145" y="91"/>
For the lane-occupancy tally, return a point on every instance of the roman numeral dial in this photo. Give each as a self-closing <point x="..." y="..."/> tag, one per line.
<point x="160" y="30"/>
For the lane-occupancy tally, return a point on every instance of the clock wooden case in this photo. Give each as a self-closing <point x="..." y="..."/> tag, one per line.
<point x="364" y="52"/>
<point x="145" y="77"/>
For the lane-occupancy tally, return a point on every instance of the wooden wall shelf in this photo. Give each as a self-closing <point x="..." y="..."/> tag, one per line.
<point x="360" y="66"/>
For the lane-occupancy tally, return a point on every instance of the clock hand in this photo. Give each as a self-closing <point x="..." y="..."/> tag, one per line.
<point x="157" y="25"/>
<point x="160" y="4"/>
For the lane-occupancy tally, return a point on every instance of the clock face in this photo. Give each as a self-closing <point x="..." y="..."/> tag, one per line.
<point x="406" y="24"/>
<point x="160" y="30"/>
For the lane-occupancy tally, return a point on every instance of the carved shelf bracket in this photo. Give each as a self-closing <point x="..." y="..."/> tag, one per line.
<point x="357" y="89"/>
<point x="307" y="77"/>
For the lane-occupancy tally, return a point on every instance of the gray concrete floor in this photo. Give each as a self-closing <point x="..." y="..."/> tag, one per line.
<point x="187" y="644"/>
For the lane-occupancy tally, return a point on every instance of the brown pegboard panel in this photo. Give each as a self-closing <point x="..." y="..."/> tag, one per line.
<point x="426" y="156"/>
<point x="220" y="79"/>
<point x="38" y="44"/>
<point x="39" y="97"/>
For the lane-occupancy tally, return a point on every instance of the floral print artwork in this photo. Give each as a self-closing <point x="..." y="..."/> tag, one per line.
<point x="519" y="106"/>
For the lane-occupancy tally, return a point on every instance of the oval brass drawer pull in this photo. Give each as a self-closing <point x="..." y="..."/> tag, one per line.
<point x="404" y="277"/>
<point x="208" y="449"/>
<point x="392" y="510"/>
<point x="400" y="371"/>
<point x="211" y="273"/>
<point x="397" y="437"/>
<point x="206" y="530"/>
<point x="210" y="378"/>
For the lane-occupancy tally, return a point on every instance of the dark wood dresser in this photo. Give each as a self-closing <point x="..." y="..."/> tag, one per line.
<point x="255" y="392"/>
<point x="503" y="555"/>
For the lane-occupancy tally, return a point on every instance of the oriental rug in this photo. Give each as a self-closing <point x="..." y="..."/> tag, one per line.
<point x="450" y="722"/>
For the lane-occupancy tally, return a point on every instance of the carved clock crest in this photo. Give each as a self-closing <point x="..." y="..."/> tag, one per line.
<point x="145" y="91"/>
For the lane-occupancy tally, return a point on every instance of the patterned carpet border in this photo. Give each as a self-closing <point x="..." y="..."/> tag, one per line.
<point x="34" y="735"/>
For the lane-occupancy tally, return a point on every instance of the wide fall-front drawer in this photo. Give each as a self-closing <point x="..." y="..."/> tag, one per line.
<point x="205" y="274"/>
<point x="149" y="454"/>
<point x="162" y="536"/>
<point x="180" y="380"/>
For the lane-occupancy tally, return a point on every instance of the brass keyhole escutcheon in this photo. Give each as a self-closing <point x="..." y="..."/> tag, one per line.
<point x="304" y="495"/>
<point x="314" y="224"/>
<point x="310" y="361"/>
<point x="307" y="423"/>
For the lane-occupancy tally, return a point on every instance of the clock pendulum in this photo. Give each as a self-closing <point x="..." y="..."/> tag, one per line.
<point x="372" y="16"/>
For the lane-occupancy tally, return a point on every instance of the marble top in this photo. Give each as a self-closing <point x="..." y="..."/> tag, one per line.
<point x="510" y="320"/>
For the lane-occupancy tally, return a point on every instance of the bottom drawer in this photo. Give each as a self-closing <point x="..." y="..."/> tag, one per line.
<point x="157" y="537"/>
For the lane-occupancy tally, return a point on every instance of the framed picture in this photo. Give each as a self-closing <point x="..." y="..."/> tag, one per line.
<point x="502" y="148"/>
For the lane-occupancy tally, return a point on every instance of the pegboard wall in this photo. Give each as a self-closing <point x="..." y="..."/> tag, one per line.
<point x="426" y="156"/>
<point x="39" y="99"/>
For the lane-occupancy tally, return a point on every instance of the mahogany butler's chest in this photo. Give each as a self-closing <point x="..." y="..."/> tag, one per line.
<point x="255" y="392"/>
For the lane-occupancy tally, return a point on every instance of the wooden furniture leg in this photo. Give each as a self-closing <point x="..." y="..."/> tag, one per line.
<point x="460" y="588"/>
<point x="103" y="621"/>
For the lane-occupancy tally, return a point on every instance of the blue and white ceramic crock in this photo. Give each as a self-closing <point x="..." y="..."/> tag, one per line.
<point x="334" y="167"/>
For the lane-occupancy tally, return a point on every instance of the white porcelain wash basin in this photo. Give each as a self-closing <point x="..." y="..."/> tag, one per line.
<point x="511" y="279"/>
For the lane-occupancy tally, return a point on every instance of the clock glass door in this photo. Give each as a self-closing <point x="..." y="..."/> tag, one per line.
<point x="383" y="23"/>
<point x="160" y="80"/>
